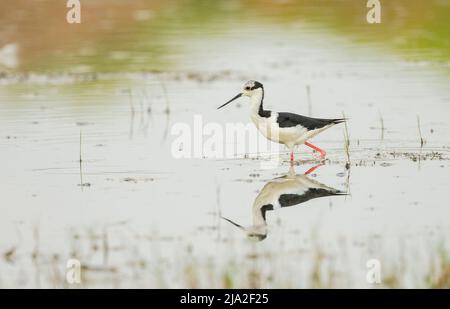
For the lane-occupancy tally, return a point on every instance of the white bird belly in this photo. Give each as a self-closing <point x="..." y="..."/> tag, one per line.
<point x="271" y="192"/>
<point x="289" y="136"/>
<point x="271" y="130"/>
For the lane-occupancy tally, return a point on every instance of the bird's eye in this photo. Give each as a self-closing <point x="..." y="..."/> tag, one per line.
<point x="247" y="88"/>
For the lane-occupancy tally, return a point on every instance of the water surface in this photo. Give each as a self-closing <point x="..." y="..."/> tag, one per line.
<point x="137" y="217"/>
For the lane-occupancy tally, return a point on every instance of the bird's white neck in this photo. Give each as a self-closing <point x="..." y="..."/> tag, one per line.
<point x="258" y="219"/>
<point x="260" y="207"/>
<point x="257" y="100"/>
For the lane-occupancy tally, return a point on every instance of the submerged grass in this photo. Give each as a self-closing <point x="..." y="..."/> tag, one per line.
<point x="167" y="110"/>
<point x="129" y="264"/>
<point x="422" y="141"/>
<point x="308" y="98"/>
<point x="81" y="159"/>
<point x="382" y="128"/>
<point x="439" y="275"/>
<point x="346" y="143"/>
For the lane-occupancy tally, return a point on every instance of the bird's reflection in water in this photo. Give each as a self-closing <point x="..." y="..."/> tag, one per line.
<point x="289" y="190"/>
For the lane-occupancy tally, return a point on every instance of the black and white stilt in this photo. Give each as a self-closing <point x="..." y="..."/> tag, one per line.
<point x="286" y="191"/>
<point x="281" y="127"/>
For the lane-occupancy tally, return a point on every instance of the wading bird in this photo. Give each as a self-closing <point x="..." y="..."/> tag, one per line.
<point x="289" y="190"/>
<point x="280" y="127"/>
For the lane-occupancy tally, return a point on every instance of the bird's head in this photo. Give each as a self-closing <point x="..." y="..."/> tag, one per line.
<point x="254" y="232"/>
<point x="256" y="236"/>
<point x="250" y="88"/>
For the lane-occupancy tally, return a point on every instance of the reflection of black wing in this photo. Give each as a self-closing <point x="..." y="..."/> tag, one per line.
<point x="286" y="120"/>
<point x="264" y="209"/>
<point x="286" y="200"/>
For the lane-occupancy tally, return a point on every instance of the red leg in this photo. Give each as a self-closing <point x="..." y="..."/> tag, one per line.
<point x="321" y="151"/>
<point x="312" y="169"/>
<point x="292" y="156"/>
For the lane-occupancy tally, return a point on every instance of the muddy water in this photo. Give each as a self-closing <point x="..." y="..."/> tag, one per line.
<point x="135" y="216"/>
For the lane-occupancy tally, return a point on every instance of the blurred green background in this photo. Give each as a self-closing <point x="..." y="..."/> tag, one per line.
<point x="148" y="35"/>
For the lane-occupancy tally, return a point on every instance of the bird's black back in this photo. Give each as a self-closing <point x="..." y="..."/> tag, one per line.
<point x="286" y="120"/>
<point x="286" y="200"/>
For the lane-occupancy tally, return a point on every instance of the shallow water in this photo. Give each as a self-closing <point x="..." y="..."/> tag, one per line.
<point x="137" y="217"/>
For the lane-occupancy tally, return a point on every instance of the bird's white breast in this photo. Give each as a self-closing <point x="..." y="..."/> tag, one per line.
<point x="269" y="127"/>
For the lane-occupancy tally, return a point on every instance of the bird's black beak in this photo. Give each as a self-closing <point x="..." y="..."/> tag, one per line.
<point x="238" y="96"/>
<point x="234" y="223"/>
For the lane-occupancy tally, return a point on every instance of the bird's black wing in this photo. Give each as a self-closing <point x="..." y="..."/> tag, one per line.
<point x="286" y="120"/>
<point x="286" y="200"/>
<point x="264" y="209"/>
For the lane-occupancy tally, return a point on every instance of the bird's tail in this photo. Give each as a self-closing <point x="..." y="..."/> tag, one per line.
<point x="339" y="192"/>
<point x="339" y="120"/>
